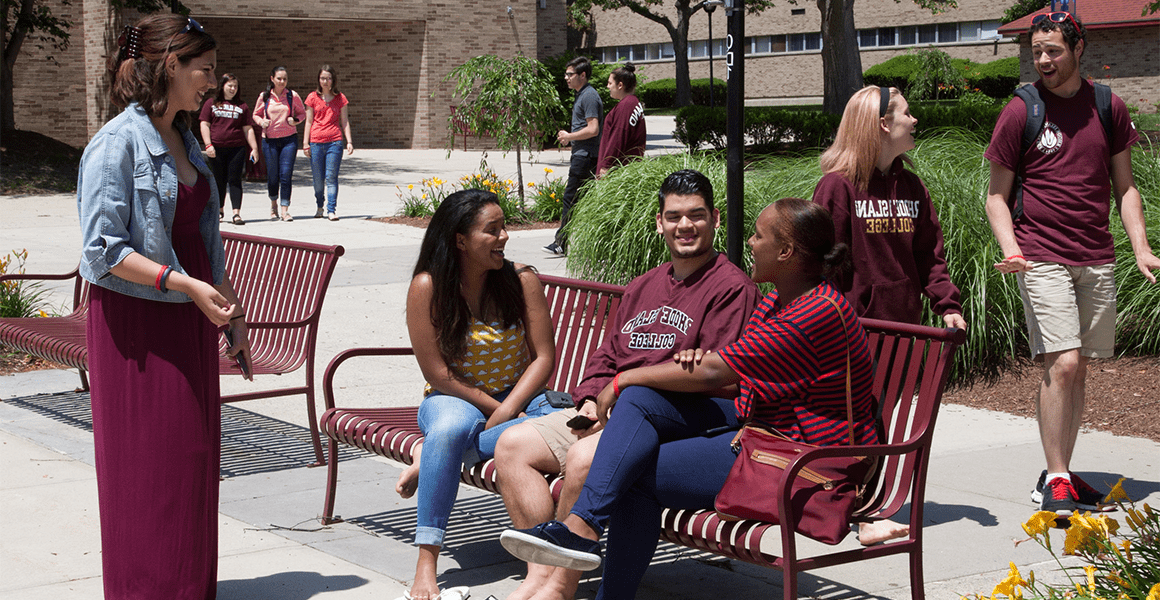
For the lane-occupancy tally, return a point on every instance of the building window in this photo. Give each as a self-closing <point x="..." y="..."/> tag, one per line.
<point x="719" y="47"/>
<point x="814" y="41"/>
<point x="699" y="49"/>
<point x="969" y="32"/>
<point x="867" y="37"/>
<point x="948" y="32"/>
<point x="623" y="53"/>
<point x="762" y="44"/>
<point x="886" y="36"/>
<point x="990" y="30"/>
<point x="927" y="34"/>
<point x="797" y="11"/>
<point x="908" y="36"/>
<point x="777" y="43"/>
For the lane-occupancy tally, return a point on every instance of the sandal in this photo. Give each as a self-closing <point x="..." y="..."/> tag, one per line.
<point x="238" y="220"/>
<point x="273" y="210"/>
<point x="286" y="218"/>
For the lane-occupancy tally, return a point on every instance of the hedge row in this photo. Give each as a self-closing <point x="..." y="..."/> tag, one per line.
<point x="662" y="93"/>
<point x="996" y="79"/>
<point x="768" y="127"/>
<point x="764" y="125"/>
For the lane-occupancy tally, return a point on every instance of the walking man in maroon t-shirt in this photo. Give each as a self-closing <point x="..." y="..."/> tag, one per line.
<point x="1060" y="246"/>
<point x="698" y="300"/>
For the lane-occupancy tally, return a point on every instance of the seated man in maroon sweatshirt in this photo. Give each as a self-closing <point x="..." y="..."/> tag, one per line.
<point x="698" y="300"/>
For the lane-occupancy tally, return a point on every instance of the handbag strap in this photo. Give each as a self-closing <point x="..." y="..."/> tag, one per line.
<point x="849" y="378"/>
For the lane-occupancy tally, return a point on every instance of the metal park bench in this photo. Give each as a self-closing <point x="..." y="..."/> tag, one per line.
<point x="911" y="368"/>
<point x="282" y="284"/>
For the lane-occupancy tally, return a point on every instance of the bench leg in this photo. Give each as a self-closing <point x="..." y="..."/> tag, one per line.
<point x="331" y="484"/>
<point x="917" y="586"/>
<point x="84" y="379"/>
<point x="312" y="417"/>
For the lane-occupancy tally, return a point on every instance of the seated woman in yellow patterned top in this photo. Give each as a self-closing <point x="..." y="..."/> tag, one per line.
<point x="483" y="338"/>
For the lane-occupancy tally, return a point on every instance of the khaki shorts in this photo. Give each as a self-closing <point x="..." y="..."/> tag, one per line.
<point x="1070" y="307"/>
<point x="556" y="433"/>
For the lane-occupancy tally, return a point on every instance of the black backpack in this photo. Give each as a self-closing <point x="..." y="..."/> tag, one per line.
<point x="1036" y="117"/>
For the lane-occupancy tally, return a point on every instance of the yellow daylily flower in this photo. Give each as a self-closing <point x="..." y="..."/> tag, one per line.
<point x="1039" y="523"/>
<point x="1117" y="494"/>
<point x="1090" y="570"/>
<point x="547" y="170"/>
<point x="410" y="186"/>
<point x="1009" y="587"/>
<point x="1154" y="593"/>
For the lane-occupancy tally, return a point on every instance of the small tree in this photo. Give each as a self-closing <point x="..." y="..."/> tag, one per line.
<point x="510" y="100"/>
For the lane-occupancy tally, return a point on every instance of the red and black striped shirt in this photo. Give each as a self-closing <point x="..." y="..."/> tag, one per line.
<point x="792" y="363"/>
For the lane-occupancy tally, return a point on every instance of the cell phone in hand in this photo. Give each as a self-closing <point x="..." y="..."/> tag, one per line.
<point x="237" y="357"/>
<point x="580" y="422"/>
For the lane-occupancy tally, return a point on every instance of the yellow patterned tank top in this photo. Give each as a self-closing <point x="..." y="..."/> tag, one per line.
<point x="496" y="358"/>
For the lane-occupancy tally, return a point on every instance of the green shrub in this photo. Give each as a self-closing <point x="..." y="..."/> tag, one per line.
<point x="662" y="93"/>
<point x="997" y="79"/>
<point x="547" y="197"/>
<point x="974" y="114"/>
<point x="938" y="76"/>
<point x="766" y="127"/>
<point x="895" y="72"/>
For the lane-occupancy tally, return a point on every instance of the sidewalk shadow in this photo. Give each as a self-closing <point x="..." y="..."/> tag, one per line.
<point x="289" y="585"/>
<point x="251" y="443"/>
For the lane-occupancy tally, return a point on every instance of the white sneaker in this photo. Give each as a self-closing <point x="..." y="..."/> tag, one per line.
<point x="332" y="216"/>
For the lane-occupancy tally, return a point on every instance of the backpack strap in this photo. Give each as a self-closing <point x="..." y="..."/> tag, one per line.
<point x="1036" y="117"/>
<point x="1104" y="108"/>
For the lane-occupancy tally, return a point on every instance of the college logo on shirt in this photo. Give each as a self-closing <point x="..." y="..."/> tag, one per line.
<point x="227" y="111"/>
<point x="1050" y="139"/>
<point x="665" y="315"/>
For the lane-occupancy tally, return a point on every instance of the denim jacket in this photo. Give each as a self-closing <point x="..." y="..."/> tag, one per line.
<point x="127" y="199"/>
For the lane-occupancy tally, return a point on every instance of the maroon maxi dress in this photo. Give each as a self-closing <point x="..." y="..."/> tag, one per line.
<point x="157" y="430"/>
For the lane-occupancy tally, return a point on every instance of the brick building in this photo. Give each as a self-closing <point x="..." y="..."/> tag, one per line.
<point x="391" y="57"/>
<point x="1120" y="51"/>
<point x="783" y="62"/>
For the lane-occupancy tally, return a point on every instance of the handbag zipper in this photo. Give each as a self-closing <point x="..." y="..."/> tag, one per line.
<point x="776" y="460"/>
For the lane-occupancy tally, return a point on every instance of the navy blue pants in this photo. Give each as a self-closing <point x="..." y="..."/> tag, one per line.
<point x="658" y="450"/>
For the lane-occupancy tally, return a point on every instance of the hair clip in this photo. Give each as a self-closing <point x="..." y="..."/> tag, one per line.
<point x="130" y="43"/>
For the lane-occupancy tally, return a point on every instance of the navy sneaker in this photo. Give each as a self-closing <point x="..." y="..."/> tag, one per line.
<point x="1086" y="496"/>
<point x="1058" y="497"/>
<point x="552" y="544"/>
<point x="555" y="249"/>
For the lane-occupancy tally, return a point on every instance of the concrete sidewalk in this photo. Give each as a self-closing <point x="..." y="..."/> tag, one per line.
<point x="272" y="545"/>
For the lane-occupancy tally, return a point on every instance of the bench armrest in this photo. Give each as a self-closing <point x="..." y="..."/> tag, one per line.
<point x="345" y="355"/>
<point x="73" y="274"/>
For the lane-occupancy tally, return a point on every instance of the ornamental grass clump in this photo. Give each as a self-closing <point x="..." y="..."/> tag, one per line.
<point x="1120" y="563"/>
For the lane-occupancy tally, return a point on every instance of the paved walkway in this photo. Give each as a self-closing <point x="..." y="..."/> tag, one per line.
<point x="272" y="546"/>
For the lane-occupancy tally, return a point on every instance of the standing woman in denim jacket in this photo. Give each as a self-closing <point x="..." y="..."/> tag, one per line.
<point x="152" y="250"/>
<point x="278" y="112"/>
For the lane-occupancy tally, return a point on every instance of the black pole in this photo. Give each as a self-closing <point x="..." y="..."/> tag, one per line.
<point x="734" y="131"/>
<point x="709" y="9"/>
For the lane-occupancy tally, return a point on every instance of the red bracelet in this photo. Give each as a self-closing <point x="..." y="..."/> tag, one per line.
<point x="616" y="386"/>
<point x="161" y="273"/>
<point x="1015" y="256"/>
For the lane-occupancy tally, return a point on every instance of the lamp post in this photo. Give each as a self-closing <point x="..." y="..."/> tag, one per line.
<point x="710" y="6"/>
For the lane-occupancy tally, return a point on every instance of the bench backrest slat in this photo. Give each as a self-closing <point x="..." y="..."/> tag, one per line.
<point x="281" y="284"/>
<point x="581" y="311"/>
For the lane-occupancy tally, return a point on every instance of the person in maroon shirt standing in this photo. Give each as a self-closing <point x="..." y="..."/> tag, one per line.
<point x="624" y="134"/>
<point x="227" y="130"/>
<point x="697" y="300"/>
<point x="884" y="213"/>
<point x="1060" y="246"/>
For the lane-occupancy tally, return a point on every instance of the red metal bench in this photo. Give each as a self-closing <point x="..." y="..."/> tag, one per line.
<point x="911" y="368"/>
<point x="282" y="284"/>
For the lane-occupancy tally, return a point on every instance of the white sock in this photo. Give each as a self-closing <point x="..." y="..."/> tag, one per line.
<point x="1064" y="476"/>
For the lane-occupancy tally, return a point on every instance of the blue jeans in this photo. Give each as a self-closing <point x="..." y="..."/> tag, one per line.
<point x="280" y="154"/>
<point x="658" y="450"/>
<point x="454" y="436"/>
<point x="325" y="159"/>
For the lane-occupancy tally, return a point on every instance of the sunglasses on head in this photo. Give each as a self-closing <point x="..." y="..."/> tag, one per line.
<point x="1056" y="17"/>
<point x="190" y="25"/>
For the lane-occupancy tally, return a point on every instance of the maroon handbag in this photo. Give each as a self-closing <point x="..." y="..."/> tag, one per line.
<point x="824" y="495"/>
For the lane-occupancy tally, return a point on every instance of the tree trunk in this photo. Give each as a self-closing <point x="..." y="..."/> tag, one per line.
<point x="11" y="52"/>
<point x="841" y="60"/>
<point x="520" y="177"/>
<point x="680" y="36"/>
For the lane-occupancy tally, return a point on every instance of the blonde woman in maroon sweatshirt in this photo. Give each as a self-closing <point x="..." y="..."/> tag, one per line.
<point x="884" y="213"/>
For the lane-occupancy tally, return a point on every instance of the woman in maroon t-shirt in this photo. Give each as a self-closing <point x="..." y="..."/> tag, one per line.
<point x="624" y="135"/>
<point x="227" y="129"/>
